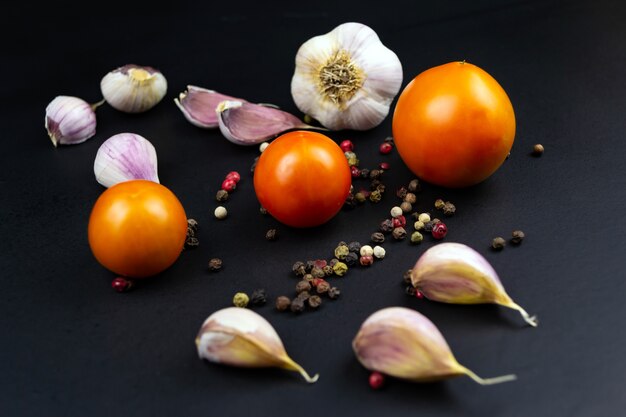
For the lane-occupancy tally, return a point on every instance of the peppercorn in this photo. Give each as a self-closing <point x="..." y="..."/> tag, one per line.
<point x="121" y="284"/>
<point x="410" y="290"/>
<point x="258" y="297"/>
<point x="384" y="166"/>
<point x="271" y="235"/>
<point x="401" y="192"/>
<point x="328" y="270"/>
<point x="263" y="146"/>
<point x="389" y="139"/>
<point x="215" y="264"/>
<point x="229" y="185"/>
<point x="424" y="217"/>
<point x="220" y="212"/>
<point x="314" y="301"/>
<point x="428" y="226"/>
<point x="221" y="196"/>
<point x="399" y="221"/>
<point x="297" y="305"/>
<point x="418" y="225"/>
<point x="414" y="185"/>
<point x="379" y="252"/>
<point x="303" y="285"/>
<point x="406" y="277"/>
<point x="538" y="150"/>
<point x="374" y="184"/>
<point x="351" y="259"/>
<point x="263" y="210"/>
<point x="498" y="243"/>
<point x="241" y="299"/>
<point x="375" y="196"/>
<point x="395" y="211"/>
<point x="282" y="303"/>
<point x="406" y="207"/>
<point x="365" y="173"/>
<point x="449" y="209"/>
<point x="318" y="272"/>
<point x="341" y="251"/>
<point x="353" y="161"/>
<point x="346" y="145"/>
<point x="340" y="269"/>
<point x="191" y="242"/>
<point x="359" y="197"/>
<point x="350" y="202"/>
<point x="308" y="265"/>
<point x="435" y="221"/>
<point x="333" y="261"/>
<point x="354" y="246"/>
<point x="377" y="237"/>
<point x="381" y="188"/>
<point x="386" y="226"/>
<point x="366" y="260"/>
<point x="517" y="236"/>
<point x="375" y="174"/>
<point x="416" y="237"/>
<point x="256" y="159"/>
<point x="317" y="281"/>
<point x="308" y="278"/>
<point x="366" y="250"/>
<point x="355" y="172"/>
<point x="322" y="287"/>
<point x="440" y="230"/>
<point x="410" y="198"/>
<point x="320" y="263"/>
<point x="193" y="225"/>
<point x="303" y="295"/>
<point x="333" y="293"/>
<point x="385" y="148"/>
<point x="298" y="268"/>
<point x="399" y="233"/>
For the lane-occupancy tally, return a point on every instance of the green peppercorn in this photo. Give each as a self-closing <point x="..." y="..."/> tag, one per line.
<point x="375" y="196"/>
<point x="340" y="269"/>
<point x="333" y="293"/>
<point x="377" y="237"/>
<point x="241" y="299"/>
<point x="341" y="251"/>
<point x="517" y="236"/>
<point x="360" y="197"/>
<point x="303" y="285"/>
<point x="353" y="161"/>
<point x="498" y="243"/>
<point x="416" y="237"/>
<point x="439" y="203"/>
<point x="314" y="301"/>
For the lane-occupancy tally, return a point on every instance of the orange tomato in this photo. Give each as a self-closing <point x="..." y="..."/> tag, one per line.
<point x="453" y="125"/>
<point x="137" y="228"/>
<point x="302" y="179"/>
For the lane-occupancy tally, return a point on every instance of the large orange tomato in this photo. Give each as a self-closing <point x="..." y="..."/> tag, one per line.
<point x="137" y="228"/>
<point x="453" y="125"/>
<point x="302" y="178"/>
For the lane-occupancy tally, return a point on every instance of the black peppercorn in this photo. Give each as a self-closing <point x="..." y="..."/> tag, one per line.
<point x="354" y="246"/>
<point x="334" y="293"/>
<point x="282" y="303"/>
<point x="215" y="264"/>
<point x="308" y="266"/>
<point x="410" y="198"/>
<point x="377" y="237"/>
<point x="350" y="202"/>
<point x="428" y="226"/>
<point x="297" y="305"/>
<point x="386" y="226"/>
<point x="221" y="196"/>
<point x="365" y="173"/>
<point x="401" y="192"/>
<point x="498" y="243"/>
<point x="298" y="268"/>
<point x="381" y="188"/>
<point x="517" y="236"/>
<point x="314" y="301"/>
<point x="351" y="259"/>
<point x="258" y="297"/>
<point x="271" y="235"/>
<point x="399" y="233"/>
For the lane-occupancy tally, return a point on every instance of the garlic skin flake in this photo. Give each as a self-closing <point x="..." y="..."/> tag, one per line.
<point x="133" y="88"/>
<point x="198" y="105"/>
<point x="403" y="343"/>
<point x="346" y="79"/>
<point x="238" y="336"/>
<point x="452" y="272"/>
<point x="70" y="120"/>
<point x="246" y="123"/>
<point x="123" y="157"/>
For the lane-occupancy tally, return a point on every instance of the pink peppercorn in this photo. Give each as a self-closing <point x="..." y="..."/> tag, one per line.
<point x="233" y="175"/>
<point x="384" y="166"/>
<point x="346" y="145"/>
<point x="385" y="148"/>
<point x="399" y="221"/>
<point x="366" y="260"/>
<point x="229" y="185"/>
<point x="356" y="172"/>
<point x="439" y="230"/>
<point x="120" y="284"/>
<point x="376" y="380"/>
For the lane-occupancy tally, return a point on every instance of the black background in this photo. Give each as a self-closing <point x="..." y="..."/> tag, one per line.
<point x="71" y="346"/>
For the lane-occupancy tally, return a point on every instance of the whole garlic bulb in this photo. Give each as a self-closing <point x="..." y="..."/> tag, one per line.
<point x="133" y="88"/>
<point x="346" y="79"/>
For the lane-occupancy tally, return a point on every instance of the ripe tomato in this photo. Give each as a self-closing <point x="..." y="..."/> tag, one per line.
<point x="137" y="228"/>
<point x="453" y="125"/>
<point x="302" y="178"/>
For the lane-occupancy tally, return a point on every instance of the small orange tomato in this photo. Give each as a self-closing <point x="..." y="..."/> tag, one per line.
<point x="137" y="228"/>
<point x="453" y="125"/>
<point x="302" y="179"/>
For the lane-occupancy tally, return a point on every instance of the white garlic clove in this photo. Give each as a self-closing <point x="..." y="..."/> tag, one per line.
<point x="70" y="120"/>
<point x="133" y="88"/>
<point x="452" y="272"/>
<point x="347" y="78"/>
<point x="403" y="343"/>
<point x="123" y="157"/>
<point x="198" y="105"/>
<point x="237" y="336"/>
<point x="246" y="123"/>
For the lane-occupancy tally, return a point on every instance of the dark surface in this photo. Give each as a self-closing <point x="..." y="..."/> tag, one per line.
<point x="74" y="347"/>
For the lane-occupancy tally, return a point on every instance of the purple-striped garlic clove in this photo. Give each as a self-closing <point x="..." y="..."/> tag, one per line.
<point x="133" y="88"/>
<point x="198" y="105"/>
<point x="238" y="336"/>
<point x="70" y="120"/>
<point x="123" y="157"/>
<point x="452" y="272"/>
<point x="403" y="343"/>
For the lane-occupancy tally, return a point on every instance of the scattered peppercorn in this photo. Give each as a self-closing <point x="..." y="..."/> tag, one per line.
<point x="233" y="175"/>
<point x="375" y="196"/>
<point x="303" y="285"/>
<point x="314" y="301"/>
<point x="366" y="250"/>
<point x="229" y="185"/>
<point x="385" y="148"/>
<point x="428" y="226"/>
<point x="366" y="260"/>
<point x="350" y="202"/>
<point x="354" y="246"/>
<point x="359" y="197"/>
<point x="282" y="303"/>
<point x="449" y="209"/>
<point x="377" y="237"/>
<point x="346" y="145"/>
<point x="517" y="236"/>
<point x="191" y="242"/>
<point x="318" y="272"/>
<point x="303" y="295"/>
<point x="414" y="186"/>
<point x="298" y="268"/>
<point x="399" y="233"/>
<point x="424" y="217"/>
<point x="241" y="299"/>
<point x="406" y="207"/>
<point x="386" y="226"/>
<point x="297" y="305"/>
<point x="374" y="185"/>
<point x="215" y="264"/>
<point x="401" y="192"/>
<point x="121" y="284"/>
<point x="220" y="212"/>
<point x="192" y="224"/>
<point x="365" y="173"/>
<point x="309" y="278"/>
<point x="381" y="188"/>
<point x="384" y="166"/>
<point x="263" y="210"/>
<point x="271" y="234"/>
<point x="379" y="252"/>
<point x="538" y="150"/>
<point x="322" y="287"/>
<point x="399" y="221"/>
<point x="416" y="237"/>
<point x="319" y="263"/>
<point x="498" y="243"/>
<point x="341" y="251"/>
<point x="263" y="146"/>
<point x="340" y="269"/>
<point x="376" y="380"/>
<point x="440" y="230"/>
<point x="333" y="293"/>
<point x="439" y="203"/>
<point x="418" y="225"/>
<point x="258" y="297"/>
<point x="221" y="196"/>
<point x="375" y="174"/>
<point x="333" y="261"/>
<point x="410" y="198"/>
<point x="351" y="259"/>
<point x="355" y="171"/>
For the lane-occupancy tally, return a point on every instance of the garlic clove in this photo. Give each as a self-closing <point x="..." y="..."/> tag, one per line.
<point x="198" y="105"/>
<point x="123" y="157"/>
<point x="452" y="272"/>
<point x="133" y="88"/>
<point x="237" y="336"/>
<point x="246" y="123"/>
<point x="346" y="78"/>
<point x="70" y="120"/>
<point x="403" y="343"/>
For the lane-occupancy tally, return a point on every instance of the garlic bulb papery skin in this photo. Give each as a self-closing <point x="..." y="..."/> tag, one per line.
<point x="70" y="120"/>
<point x="403" y="343"/>
<point x="237" y="336"/>
<point x="123" y="157"/>
<point x="453" y="272"/>
<point x="198" y="105"/>
<point x="346" y="79"/>
<point x="133" y="88"/>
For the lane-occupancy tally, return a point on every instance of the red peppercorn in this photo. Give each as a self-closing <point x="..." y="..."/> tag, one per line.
<point x="439" y="230"/>
<point x="233" y="175"/>
<point x="385" y="148"/>
<point x="347" y="146"/>
<point x="356" y="172"/>
<point x="229" y="185"/>
<point x="120" y="284"/>
<point x="317" y="281"/>
<point x="366" y="260"/>
<point x="399" y="221"/>
<point x="377" y="380"/>
<point x="419" y="294"/>
<point x="384" y="166"/>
